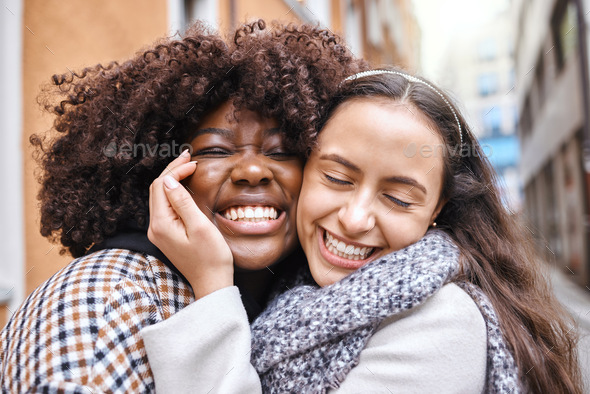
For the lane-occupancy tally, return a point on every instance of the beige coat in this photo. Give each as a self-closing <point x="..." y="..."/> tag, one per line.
<point x="439" y="347"/>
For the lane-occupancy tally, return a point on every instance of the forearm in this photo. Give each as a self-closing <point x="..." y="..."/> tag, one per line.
<point x="205" y="346"/>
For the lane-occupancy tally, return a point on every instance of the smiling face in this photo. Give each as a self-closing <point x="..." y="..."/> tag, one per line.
<point x="363" y="194"/>
<point x="247" y="183"/>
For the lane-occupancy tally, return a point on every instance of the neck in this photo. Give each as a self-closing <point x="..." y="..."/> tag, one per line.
<point x="259" y="283"/>
<point x="256" y="283"/>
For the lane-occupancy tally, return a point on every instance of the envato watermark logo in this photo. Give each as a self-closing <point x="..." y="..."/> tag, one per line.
<point x="441" y="150"/>
<point x="127" y="150"/>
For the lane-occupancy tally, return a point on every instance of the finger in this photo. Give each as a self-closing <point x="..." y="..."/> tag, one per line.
<point x="162" y="216"/>
<point x="178" y="163"/>
<point x="180" y="172"/>
<point x="183" y="205"/>
<point x="158" y="198"/>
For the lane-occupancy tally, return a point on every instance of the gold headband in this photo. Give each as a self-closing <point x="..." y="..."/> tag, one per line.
<point x="410" y="78"/>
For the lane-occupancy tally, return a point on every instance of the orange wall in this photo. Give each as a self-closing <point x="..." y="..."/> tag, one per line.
<point x="62" y="34"/>
<point x="269" y="10"/>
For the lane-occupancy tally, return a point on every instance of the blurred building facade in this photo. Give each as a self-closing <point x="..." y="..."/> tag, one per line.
<point x="552" y="89"/>
<point x="382" y="31"/>
<point x="41" y="38"/>
<point x="479" y="70"/>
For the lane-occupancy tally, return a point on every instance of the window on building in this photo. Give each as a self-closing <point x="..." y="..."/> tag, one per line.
<point x="564" y="28"/>
<point x="487" y="50"/>
<point x="487" y="84"/>
<point x="492" y="121"/>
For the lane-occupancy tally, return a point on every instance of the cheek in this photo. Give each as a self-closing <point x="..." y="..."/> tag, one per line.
<point x="207" y="176"/>
<point x="314" y="204"/>
<point x="402" y="230"/>
<point x="291" y="178"/>
<point x="204" y="185"/>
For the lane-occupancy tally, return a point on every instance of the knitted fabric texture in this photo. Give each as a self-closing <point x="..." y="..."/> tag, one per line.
<point x="309" y="338"/>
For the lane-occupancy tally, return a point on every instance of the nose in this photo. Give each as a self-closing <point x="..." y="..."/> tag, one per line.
<point x="357" y="215"/>
<point x="251" y="170"/>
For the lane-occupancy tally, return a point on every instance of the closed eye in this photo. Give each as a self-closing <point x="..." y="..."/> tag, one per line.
<point x="212" y="152"/>
<point x="279" y="154"/>
<point x="397" y="201"/>
<point x="336" y="180"/>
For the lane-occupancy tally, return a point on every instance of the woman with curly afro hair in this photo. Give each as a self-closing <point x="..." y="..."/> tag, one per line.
<point x="246" y="110"/>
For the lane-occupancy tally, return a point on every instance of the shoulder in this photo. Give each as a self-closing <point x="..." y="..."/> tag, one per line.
<point x="450" y="309"/>
<point x="439" y="346"/>
<point x="87" y="310"/>
<point x="90" y="285"/>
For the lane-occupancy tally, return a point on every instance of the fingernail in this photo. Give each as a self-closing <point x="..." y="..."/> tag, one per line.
<point x="184" y="152"/>
<point x="170" y="182"/>
<point x="194" y="161"/>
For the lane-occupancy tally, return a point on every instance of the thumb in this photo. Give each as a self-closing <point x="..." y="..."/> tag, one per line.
<point x="184" y="205"/>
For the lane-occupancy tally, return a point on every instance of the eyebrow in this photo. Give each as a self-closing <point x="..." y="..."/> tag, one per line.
<point x="340" y="160"/>
<point x="394" y="179"/>
<point x="407" y="181"/>
<point x="228" y="133"/>
<point x="209" y="130"/>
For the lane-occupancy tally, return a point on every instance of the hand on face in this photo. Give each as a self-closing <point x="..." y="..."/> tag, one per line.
<point x="184" y="234"/>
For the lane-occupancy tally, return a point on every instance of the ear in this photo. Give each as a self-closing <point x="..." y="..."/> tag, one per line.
<point x="439" y="208"/>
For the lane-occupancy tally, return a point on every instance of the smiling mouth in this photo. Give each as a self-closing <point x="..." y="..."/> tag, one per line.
<point x="250" y="213"/>
<point x="345" y="250"/>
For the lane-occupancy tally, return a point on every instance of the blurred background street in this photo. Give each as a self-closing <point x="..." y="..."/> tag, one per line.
<point x="577" y="302"/>
<point x="519" y="70"/>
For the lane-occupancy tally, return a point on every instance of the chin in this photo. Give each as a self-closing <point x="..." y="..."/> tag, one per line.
<point x="325" y="279"/>
<point x="259" y="262"/>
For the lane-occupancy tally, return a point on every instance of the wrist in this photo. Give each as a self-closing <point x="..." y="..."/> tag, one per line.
<point x="209" y="282"/>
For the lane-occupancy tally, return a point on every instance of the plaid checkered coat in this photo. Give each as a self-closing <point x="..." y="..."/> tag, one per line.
<point x="79" y="331"/>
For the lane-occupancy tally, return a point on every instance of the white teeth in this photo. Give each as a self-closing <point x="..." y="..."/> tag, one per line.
<point x="342" y="249"/>
<point x="250" y="214"/>
<point x="258" y="212"/>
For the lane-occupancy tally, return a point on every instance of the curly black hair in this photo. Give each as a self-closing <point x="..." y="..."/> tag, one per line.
<point x="90" y="188"/>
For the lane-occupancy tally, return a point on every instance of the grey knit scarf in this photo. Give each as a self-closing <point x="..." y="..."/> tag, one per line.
<point x="309" y="338"/>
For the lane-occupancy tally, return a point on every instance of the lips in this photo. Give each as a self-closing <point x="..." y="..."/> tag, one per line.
<point x="343" y="253"/>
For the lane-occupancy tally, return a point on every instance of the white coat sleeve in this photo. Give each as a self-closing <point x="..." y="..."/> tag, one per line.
<point x="204" y="347"/>
<point x="439" y="347"/>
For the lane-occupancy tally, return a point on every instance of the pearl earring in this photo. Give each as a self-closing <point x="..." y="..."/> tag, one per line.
<point x="433" y="224"/>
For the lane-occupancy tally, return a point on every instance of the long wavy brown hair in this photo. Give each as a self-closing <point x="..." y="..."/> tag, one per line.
<point x="498" y="255"/>
<point x="94" y="183"/>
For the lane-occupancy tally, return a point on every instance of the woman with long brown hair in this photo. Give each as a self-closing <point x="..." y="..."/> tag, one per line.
<point x="404" y="230"/>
